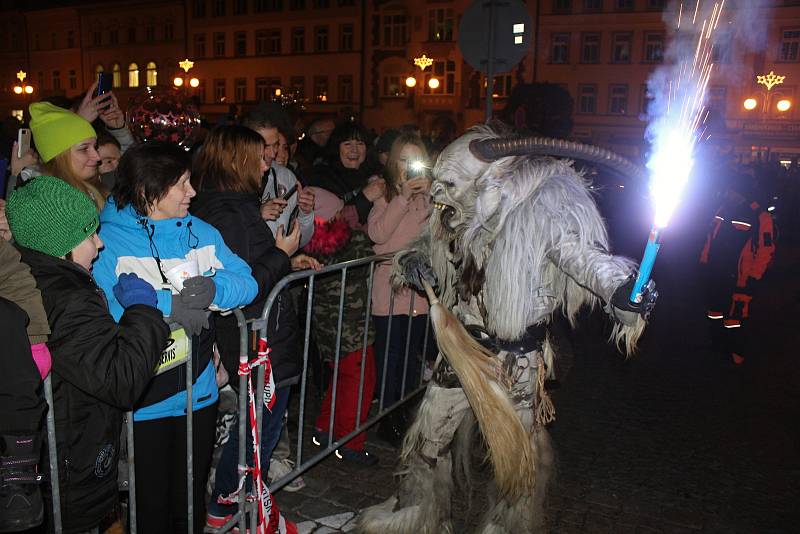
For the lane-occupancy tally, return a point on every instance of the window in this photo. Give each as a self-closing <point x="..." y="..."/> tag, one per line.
<point x="394" y="86"/>
<point x="200" y="45"/>
<point x="274" y="86"/>
<point x="501" y="86"/>
<point x="646" y="100"/>
<point x="169" y="31"/>
<point x="275" y="41"/>
<point x="717" y="98"/>
<point x="592" y="5"/>
<point x="199" y="9"/>
<point x="394" y="30"/>
<point x="219" y="45"/>
<point x="656" y="4"/>
<point x="653" y="47"/>
<point x="200" y="90"/>
<point x="790" y="45"/>
<point x="559" y="49"/>
<point x="344" y="3"/>
<point x="56" y="80"/>
<point x="320" y="88"/>
<point x="298" y="86"/>
<point x="240" y="89"/>
<point x="562" y="6"/>
<point x="36" y="40"/>
<point x="262" y="40"/>
<point x="721" y="49"/>
<point x="73" y="80"/>
<point x="219" y="8"/>
<point x="240" y="7"/>
<point x="440" y="24"/>
<point x="321" y="39"/>
<point x="150" y="34"/>
<point x="298" y="40"/>
<point x="262" y="6"/>
<point x="587" y="99"/>
<point x="321" y="4"/>
<point x="219" y="90"/>
<point x="297" y="5"/>
<point x="96" y="40"/>
<point x="113" y="37"/>
<point x="40" y="78"/>
<point x="262" y="89"/>
<point x="70" y="39"/>
<point x="621" y="47"/>
<point x="116" y="76"/>
<point x="132" y="34"/>
<point x="346" y="37"/>
<point x="53" y="41"/>
<point x="618" y="99"/>
<point x="152" y="74"/>
<point x="240" y="43"/>
<point x="345" y="88"/>
<point x="590" y="48"/>
<point x="445" y="71"/>
<point x="623" y="5"/>
<point x="133" y="75"/>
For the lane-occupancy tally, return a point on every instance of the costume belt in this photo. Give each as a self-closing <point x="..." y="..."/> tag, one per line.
<point x="531" y="341"/>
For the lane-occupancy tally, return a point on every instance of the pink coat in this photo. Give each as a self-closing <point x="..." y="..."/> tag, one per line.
<point x="392" y="226"/>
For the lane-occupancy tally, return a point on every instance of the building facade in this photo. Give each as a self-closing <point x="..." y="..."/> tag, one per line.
<point x="356" y="57"/>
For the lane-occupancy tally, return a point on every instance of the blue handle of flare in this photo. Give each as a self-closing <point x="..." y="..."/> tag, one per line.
<point x="646" y="266"/>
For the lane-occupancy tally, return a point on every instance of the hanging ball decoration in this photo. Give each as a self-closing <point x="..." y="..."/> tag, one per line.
<point x="157" y="114"/>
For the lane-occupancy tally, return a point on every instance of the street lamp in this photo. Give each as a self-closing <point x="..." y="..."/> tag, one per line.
<point x="179" y="80"/>
<point x="750" y="104"/>
<point x="433" y="83"/>
<point x="411" y="82"/>
<point x="784" y="105"/>
<point x="22" y="87"/>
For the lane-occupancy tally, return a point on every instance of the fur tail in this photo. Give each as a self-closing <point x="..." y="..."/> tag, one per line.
<point x="480" y="375"/>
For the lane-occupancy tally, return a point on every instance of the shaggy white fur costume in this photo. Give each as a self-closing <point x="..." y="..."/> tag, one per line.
<point x="509" y="243"/>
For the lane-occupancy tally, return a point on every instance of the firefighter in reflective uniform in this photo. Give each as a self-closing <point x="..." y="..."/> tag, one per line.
<point x="738" y="250"/>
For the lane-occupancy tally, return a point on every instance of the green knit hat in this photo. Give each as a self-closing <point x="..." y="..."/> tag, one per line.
<point x="56" y="129"/>
<point x="49" y="215"/>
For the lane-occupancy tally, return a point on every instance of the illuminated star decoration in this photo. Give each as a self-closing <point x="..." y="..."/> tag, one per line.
<point x="770" y="80"/>
<point x="423" y="62"/>
<point x="186" y="64"/>
<point x="21" y="75"/>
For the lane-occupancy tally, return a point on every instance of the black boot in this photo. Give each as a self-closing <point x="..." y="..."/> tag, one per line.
<point x="20" y="497"/>
<point x="392" y="429"/>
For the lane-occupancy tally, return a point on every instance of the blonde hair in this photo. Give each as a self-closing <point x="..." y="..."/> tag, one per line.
<point x="391" y="174"/>
<point x="61" y="167"/>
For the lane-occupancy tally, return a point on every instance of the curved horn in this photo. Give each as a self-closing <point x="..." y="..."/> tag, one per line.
<point x="493" y="149"/>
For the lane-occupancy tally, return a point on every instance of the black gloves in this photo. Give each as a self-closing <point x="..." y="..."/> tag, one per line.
<point x="626" y="312"/>
<point x="193" y="320"/>
<point x="198" y="292"/>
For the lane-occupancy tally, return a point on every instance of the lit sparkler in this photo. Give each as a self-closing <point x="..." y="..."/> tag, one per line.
<point x="675" y="128"/>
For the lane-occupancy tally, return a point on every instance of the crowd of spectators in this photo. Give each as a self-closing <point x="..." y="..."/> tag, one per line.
<point x="116" y="253"/>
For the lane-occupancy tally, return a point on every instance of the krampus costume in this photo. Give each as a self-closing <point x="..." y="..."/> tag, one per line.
<point x="513" y="238"/>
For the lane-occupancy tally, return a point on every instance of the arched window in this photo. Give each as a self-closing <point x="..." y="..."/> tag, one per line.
<point x="133" y="75"/>
<point x="152" y="74"/>
<point x="116" y="76"/>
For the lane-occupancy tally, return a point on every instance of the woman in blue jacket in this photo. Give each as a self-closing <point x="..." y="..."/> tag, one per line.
<point x="147" y="230"/>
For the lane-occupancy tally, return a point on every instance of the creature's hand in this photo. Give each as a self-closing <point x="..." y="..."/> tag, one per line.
<point x="410" y="269"/>
<point x="627" y="312"/>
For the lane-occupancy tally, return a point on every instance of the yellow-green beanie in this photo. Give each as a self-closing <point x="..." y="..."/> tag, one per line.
<point x="56" y="129"/>
<point x="49" y="215"/>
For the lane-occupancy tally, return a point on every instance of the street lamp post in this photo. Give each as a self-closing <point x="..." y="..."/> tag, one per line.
<point x="23" y="88"/>
<point x="181" y="80"/>
<point x="782" y="105"/>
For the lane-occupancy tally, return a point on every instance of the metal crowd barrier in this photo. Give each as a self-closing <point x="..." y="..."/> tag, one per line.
<point x="246" y="503"/>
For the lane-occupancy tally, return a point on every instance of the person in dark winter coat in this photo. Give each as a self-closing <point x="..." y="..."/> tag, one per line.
<point x="100" y="367"/>
<point x="348" y="173"/>
<point x="227" y="176"/>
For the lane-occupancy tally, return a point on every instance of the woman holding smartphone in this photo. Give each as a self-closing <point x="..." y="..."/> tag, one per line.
<point x="395" y="220"/>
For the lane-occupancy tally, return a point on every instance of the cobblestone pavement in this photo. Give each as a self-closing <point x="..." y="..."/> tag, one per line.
<point x="673" y="440"/>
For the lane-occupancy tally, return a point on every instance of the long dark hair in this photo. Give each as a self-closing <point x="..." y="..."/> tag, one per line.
<point x="229" y="161"/>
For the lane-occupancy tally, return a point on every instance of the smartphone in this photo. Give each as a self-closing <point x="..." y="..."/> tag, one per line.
<point x="103" y="86"/>
<point x="23" y="141"/>
<point x="415" y="169"/>
<point x="287" y="195"/>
